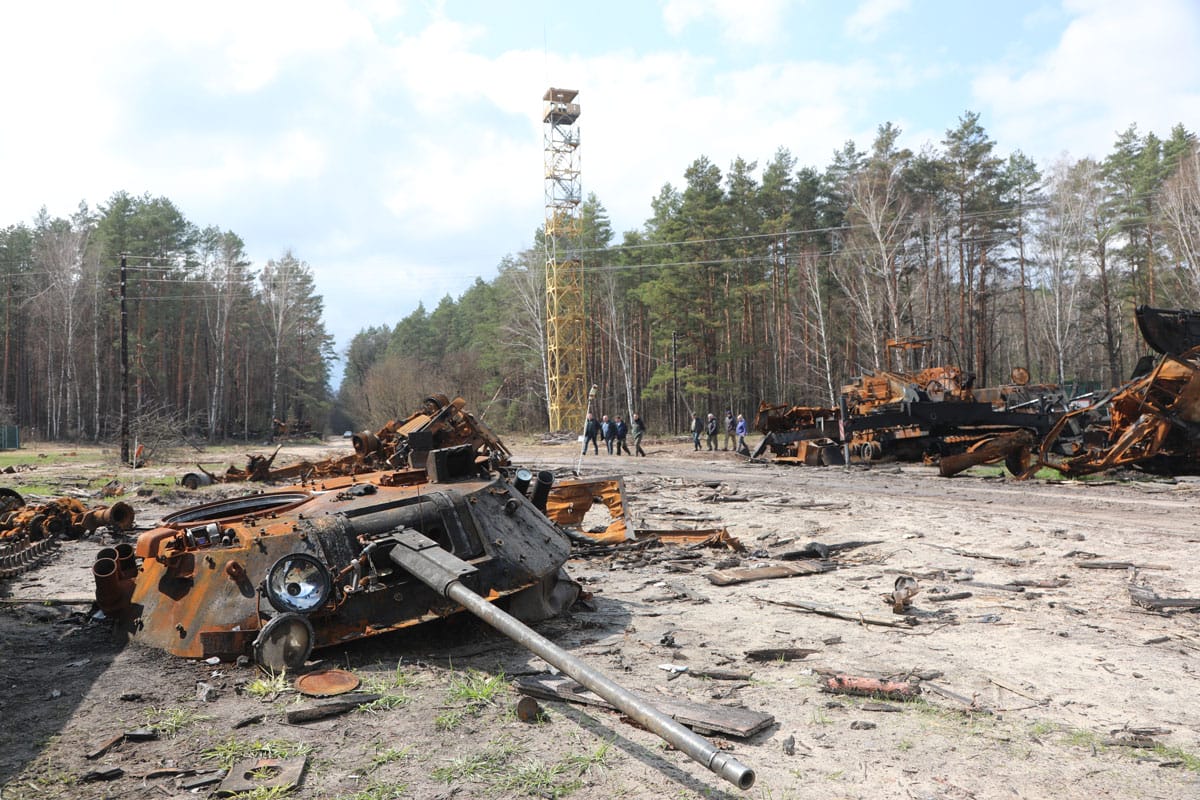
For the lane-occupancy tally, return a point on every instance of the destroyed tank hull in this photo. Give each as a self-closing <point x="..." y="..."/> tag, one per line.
<point x="278" y="573"/>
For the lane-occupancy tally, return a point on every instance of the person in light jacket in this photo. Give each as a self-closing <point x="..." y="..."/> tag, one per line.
<point x="741" y="436"/>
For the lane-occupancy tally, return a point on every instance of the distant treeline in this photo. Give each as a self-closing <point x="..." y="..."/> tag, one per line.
<point x="782" y="283"/>
<point x="216" y="347"/>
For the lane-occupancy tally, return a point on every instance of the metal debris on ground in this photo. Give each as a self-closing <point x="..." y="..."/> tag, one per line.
<point x="264" y="774"/>
<point x="1152" y="423"/>
<point x="739" y="722"/>
<point x="870" y="687"/>
<point x="439" y="424"/>
<point x="29" y="533"/>
<point x="327" y="683"/>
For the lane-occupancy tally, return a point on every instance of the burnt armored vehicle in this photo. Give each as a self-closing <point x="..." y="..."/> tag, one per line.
<point x="281" y="572"/>
<point x="278" y="573"/>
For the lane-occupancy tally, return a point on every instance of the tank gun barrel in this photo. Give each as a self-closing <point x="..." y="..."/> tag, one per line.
<point x="443" y="572"/>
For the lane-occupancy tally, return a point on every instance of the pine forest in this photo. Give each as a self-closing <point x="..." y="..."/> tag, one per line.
<point x="747" y="282"/>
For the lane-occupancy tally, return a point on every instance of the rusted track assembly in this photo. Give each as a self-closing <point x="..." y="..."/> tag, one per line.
<point x="29" y="533"/>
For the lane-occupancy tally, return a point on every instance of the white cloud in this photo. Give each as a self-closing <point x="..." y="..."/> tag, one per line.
<point x="741" y="22"/>
<point x="1114" y="64"/>
<point x="870" y="19"/>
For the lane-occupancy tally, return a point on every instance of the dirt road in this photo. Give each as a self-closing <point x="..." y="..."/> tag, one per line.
<point x="1038" y="682"/>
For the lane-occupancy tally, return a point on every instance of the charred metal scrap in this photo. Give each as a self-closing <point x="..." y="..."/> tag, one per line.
<point x="1152" y="423"/>
<point x="27" y="533"/>
<point x="439" y="424"/>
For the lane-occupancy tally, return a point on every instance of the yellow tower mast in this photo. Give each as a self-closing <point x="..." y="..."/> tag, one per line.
<point x="566" y="365"/>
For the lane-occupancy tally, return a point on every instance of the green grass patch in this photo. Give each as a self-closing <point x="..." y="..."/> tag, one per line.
<point x="31" y="456"/>
<point x="389" y="756"/>
<point x="998" y="470"/>
<point x="264" y="793"/>
<point x="538" y="779"/>
<point x="476" y="688"/>
<point x="391" y="685"/>
<point x="268" y="686"/>
<point x="388" y="681"/>
<point x="385" y="703"/>
<point x="232" y="750"/>
<point x="1187" y="760"/>
<point x="379" y="791"/>
<point x="492" y="761"/>
<point x="169" y="721"/>
<point x="471" y="691"/>
<point x="496" y="770"/>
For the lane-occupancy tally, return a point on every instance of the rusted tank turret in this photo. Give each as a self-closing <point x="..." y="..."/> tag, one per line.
<point x="309" y="564"/>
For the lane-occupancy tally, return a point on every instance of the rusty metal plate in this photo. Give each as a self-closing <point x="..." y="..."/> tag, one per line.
<point x="327" y="683"/>
<point x="262" y="774"/>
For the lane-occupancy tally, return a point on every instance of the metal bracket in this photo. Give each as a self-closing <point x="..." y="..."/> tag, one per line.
<point x="428" y="562"/>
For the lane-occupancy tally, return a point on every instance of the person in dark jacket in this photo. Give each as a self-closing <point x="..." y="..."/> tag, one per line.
<point x="697" y="429"/>
<point x="639" y="430"/>
<point x="591" y="429"/>
<point x="608" y="432"/>
<point x="729" y="429"/>
<point x="711" y="429"/>
<point x="622" y="432"/>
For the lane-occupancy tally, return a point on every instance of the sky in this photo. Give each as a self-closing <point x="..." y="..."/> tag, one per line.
<point x="396" y="146"/>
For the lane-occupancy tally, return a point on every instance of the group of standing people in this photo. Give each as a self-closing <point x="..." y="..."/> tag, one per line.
<point x="614" y="433"/>
<point x="735" y="431"/>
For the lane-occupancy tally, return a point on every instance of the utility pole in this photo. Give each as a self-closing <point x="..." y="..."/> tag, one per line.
<point x="124" y="368"/>
<point x="675" y="381"/>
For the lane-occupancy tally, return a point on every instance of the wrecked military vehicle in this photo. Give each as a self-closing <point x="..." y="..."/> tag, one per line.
<point x="439" y="423"/>
<point x="927" y="413"/>
<point x="279" y="573"/>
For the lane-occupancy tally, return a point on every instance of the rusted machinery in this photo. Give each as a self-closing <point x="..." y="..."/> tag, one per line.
<point x="281" y="572"/>
<point x="440" y="423"/>
<point x="927" y="413"/>
<point x="1168" y="331"/>
<point x="1152" y="422"/>
<point x="938" y="411"/>
<point x="798" y="434"/>
<point x="27" y="533"/>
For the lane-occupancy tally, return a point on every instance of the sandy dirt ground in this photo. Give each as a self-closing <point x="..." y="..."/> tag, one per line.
<point x="1042" y="680"/>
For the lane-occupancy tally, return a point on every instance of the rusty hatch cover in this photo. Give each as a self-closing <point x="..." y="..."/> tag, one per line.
<point x="327" y="683"/>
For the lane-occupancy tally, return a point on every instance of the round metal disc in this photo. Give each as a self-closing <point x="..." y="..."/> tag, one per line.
<point x="327" y="683"/>
<point x="284" y="643"/>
